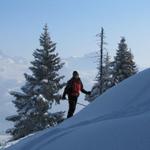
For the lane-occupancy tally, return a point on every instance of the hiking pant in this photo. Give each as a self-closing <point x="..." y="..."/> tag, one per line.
<point x="72" y="105"/>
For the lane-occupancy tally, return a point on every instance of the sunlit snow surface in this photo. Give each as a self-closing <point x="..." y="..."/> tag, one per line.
<point x="117" y="120"/>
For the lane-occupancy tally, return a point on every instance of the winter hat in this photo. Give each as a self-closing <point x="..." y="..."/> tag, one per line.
<point x="75" y="73"/>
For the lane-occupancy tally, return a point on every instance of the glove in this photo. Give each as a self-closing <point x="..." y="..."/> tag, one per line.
<point x="89" y="93"/>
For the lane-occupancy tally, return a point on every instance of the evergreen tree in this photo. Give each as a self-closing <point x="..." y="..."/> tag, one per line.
<point x="41" y="89"/>
<point x="106" y="79"/>
<point x="104" y="76"/>
<point x="124" y="66"/>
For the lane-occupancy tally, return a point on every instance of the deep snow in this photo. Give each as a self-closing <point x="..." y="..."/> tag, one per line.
<point x="117" y="120"/>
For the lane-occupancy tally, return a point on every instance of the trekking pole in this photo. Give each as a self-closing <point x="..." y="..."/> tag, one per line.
<point x="81" y="104"/>
<point x="78" y="103"/>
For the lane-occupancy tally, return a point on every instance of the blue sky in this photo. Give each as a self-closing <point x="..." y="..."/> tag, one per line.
<point x="73" y="25"/>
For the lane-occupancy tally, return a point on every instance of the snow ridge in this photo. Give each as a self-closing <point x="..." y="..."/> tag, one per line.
<point x="119" y="119"/>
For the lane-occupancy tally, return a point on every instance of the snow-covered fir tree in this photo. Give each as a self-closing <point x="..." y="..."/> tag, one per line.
<point x="106" y="79"/>
<point x="107" y="74"/>
<point x="41" y="89"/>
<point x="124" y="66"/>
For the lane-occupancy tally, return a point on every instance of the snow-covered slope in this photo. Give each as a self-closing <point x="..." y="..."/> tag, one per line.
<point x="11" y="77"/>
<point x="117" y="120"/>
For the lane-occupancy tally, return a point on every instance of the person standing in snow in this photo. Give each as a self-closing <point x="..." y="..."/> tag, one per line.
<point x="72" y="89"/>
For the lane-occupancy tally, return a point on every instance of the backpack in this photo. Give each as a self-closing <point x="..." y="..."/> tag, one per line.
<point x="74" y="87"/>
